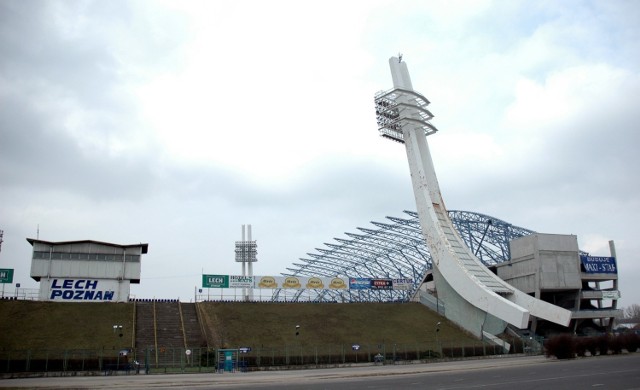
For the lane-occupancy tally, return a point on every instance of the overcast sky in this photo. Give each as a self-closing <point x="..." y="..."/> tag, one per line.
<point x="175" y="122"/>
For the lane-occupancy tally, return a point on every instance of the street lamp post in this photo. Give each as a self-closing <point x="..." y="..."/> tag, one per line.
<point x="437" y="340"/>
<point x="298" y="334"/>
<point x="117" y="329"/>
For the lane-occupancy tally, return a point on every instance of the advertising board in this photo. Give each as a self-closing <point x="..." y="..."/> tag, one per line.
<point x="83" y="290"/>
<point x="381" y="284"/>
<point x="304" y="282"/>
<point x="359" y="283"/>
<point x="613" y="294"/>
<point x="402" y="284"/>
<point x="599" y="265"/>
<point x="239" y="281"/>
<point x="215" y="281"/>
<point x="6" y="275"/>
<point x="301" y="282"/>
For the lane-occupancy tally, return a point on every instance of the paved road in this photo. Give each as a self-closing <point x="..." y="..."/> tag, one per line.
<point x="521" y="373"/>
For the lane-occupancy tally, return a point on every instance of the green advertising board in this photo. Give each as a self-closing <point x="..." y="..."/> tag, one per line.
<point x="215" y="281"/>
<point x="6" y="275"/>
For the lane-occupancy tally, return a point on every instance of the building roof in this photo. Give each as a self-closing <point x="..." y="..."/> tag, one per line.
<point x="145" y="247"/>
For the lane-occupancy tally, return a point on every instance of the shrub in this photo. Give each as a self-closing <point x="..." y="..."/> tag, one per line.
<point x="561" y="346"/>
<point x="591" y="345"/>
<point x="581" y="346"/>
<point x="630" y="341"/>
<point x="615" y="344"/>
<point x="602" y="343"/>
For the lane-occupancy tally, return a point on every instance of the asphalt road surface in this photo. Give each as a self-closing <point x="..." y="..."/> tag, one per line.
<point x="521" y="373"/>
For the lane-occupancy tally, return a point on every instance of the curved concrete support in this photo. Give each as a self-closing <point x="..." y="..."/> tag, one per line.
<point x="541" y="309"/>
<point x="462" y="271"/>
<point x="401" y="112"/>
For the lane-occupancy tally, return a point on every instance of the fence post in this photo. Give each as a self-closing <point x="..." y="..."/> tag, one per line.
<point x="182" y="362"/>
<point x="146" y="360"/>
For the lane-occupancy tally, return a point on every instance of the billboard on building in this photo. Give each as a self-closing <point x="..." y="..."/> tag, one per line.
<point x="599" y="264"/>
<point x="84" y="290"/>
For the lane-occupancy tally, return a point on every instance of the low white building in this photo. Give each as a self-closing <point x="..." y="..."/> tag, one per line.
<point x="85" y="271"/>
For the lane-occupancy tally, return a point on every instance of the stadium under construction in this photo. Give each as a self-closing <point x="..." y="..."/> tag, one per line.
<point x="482" y="273"/>
<point x="396" y="250"/>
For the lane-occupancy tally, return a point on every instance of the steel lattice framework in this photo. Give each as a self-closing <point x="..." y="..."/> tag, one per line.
<point x="395" y="249"/>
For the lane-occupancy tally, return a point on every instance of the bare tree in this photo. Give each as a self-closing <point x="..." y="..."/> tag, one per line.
<point x="632" y="311"/>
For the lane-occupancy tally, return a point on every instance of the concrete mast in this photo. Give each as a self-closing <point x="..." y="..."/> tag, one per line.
<point x="476" y="298"/>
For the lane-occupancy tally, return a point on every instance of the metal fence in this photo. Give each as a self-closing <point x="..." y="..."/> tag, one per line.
<point x="182" y="360"/>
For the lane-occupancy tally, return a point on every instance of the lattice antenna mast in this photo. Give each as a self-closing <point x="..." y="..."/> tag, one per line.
<point x="246" y="253"/>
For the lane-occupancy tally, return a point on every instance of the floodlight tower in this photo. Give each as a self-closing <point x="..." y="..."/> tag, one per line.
<point x="476" y="298"/>
<point x="246" y="251"/>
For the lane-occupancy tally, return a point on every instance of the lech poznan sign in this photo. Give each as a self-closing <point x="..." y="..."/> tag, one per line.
<point x="215" y="281"/>
<point x="6" y="275"/>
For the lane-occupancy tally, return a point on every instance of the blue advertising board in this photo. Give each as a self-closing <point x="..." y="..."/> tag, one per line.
<point x="599" y="265"/>
<point x="359" y="283"/>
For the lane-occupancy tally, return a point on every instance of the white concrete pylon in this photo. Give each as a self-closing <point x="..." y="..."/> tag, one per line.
<point x="403" y="117"/>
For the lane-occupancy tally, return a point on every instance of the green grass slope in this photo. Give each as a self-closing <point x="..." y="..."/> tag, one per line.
<point x="274" y="324"/>
<point x="30" y="325"/>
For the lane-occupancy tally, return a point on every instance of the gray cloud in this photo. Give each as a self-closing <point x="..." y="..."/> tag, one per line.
<point x="79" y="157"/>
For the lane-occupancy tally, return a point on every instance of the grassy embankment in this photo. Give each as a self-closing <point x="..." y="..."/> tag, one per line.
<point x="274" y="324"/>
<point x="27" y="325"/>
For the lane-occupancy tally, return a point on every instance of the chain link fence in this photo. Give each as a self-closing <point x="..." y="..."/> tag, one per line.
<point x="244" y="358"/>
